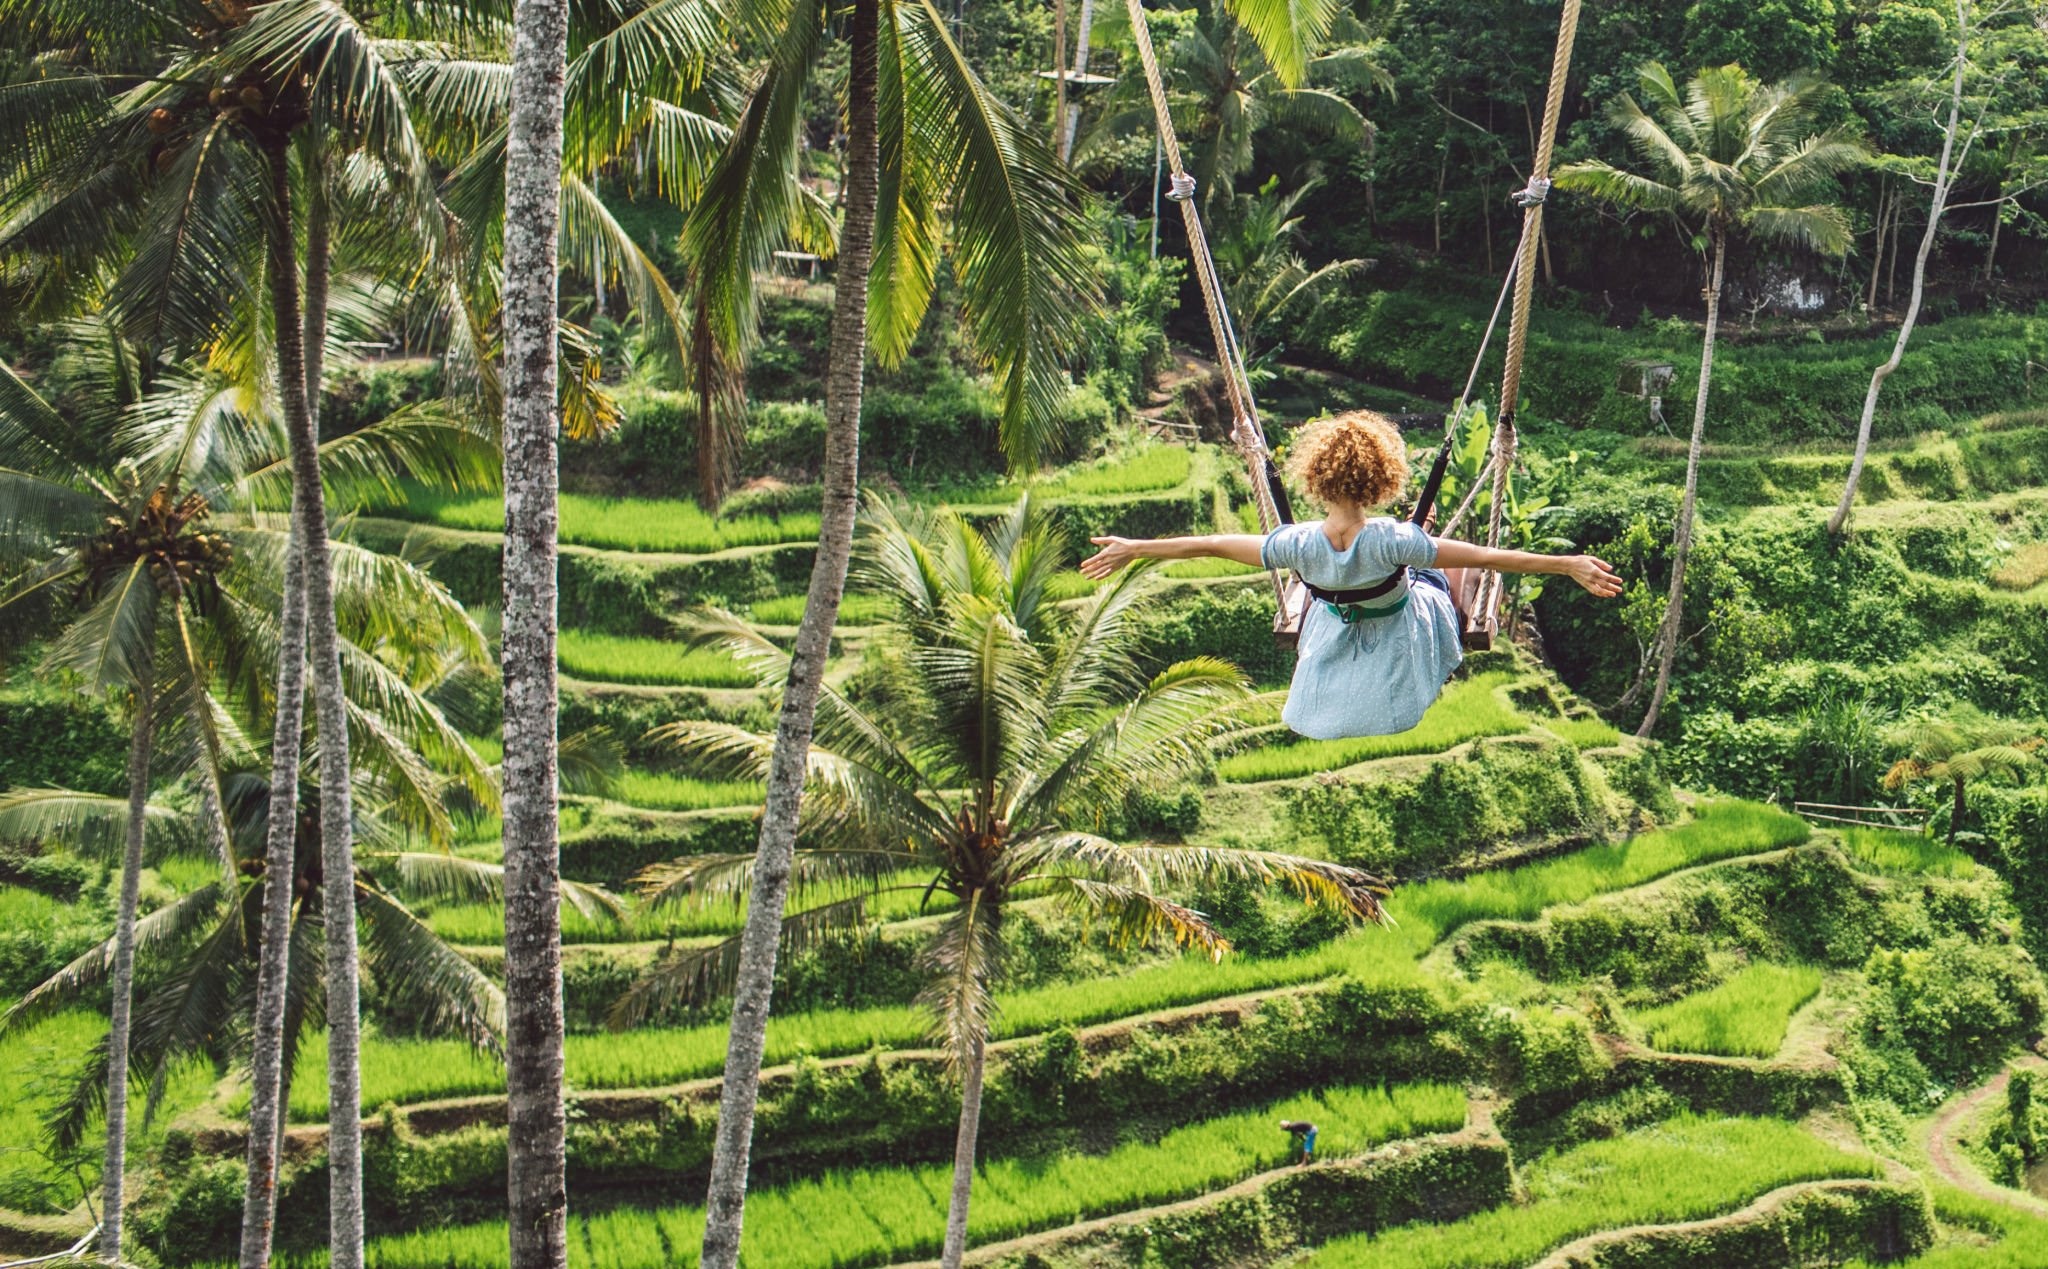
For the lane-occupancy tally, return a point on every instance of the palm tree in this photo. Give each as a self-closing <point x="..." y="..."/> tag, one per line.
<point x="1228" y="84"/>
<point x="1967" y="745"/>
<point x="536" y="1141"/>
<point x="984" y="773"/>
<point x="1264" y="279"/>
<point x="142" y="510"/>
<point x="204" y="956"/>
<point x="1727" y="157"/>
<point x="1013" y="230"/>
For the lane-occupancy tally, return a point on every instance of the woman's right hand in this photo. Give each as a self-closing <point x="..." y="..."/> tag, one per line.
<point x="1593" y="573"/>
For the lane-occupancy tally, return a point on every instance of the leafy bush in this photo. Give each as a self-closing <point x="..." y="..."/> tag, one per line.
<point x="65" y="741"/>
<point x="1453" y="811"/>
<point x="1940" y="1015"/>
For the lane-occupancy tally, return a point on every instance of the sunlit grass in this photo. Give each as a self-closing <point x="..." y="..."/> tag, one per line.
<point x="1746" y="1016"/>
<point x="1585" y="733"/>
<point x="605" y="658"/>
<point x="1467" y="709"/>
<point x="1146" y="469"/>
<point x="399" y="1071"/>
<point x="854" y="610"/>
<point x="1680" y="1170"/>
<point x="1907" y="854"/>
<point x="1209" y="568"/>
<point x="2027" y="568"/>
<point x="626" y="524"/>
<point x="881" y="1215"/>
<point x="38" y="1065"/>
<point x="479" y="924"/>
<point x="666" y="791"/>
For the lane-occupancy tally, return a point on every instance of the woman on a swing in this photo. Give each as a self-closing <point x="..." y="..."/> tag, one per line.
<point x="1367" y="668"/>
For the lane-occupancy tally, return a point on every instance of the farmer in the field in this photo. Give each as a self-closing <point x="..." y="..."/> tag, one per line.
<point x="1303" y="1143"/>
<point x="1365" y="668"/>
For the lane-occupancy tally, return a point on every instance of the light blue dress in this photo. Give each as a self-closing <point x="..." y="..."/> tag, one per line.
<point x="1376" y="675"/>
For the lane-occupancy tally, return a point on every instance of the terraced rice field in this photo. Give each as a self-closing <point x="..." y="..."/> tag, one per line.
<point x="1746" y="1016"/>
<point x="1684" y="1169"/>
<point x="876" y="1216"/>
<point x="405" y="1071"/>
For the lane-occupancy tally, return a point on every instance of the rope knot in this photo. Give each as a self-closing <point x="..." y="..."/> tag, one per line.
<point x="1183" y="187"/>
<point x="1248" y="441"/>
<point x="1534" y="193"/>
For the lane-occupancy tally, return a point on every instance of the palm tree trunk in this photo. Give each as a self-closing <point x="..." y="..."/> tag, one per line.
<point x="269" y="1081"/>
<point x="1674" y="604"/>
<point x="1080" y="68"/>
<point x="1884" y="207"/>
<point x="1059" y="71"/>
<point x="963" y="1157"/>
<point x="536" y="1182"/>
<point x="752" y="996"/>
<point x="1937" y="204"/>
<point x="113" y="1172"/>
<point x="1955" y="814"/>
<point x="330" y="714"/>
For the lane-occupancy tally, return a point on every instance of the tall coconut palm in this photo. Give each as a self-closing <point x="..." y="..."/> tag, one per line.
<point x="1226" y="84"/>
<point x="1264" y="278"/>
<point x="1012" y="732"/>
<point x="923" y="134"/>
<point x="536" y="1141"/>
<point x="1967" y="745"/>
<point x="167" y="487"/>
<point x="1728" y="157"/>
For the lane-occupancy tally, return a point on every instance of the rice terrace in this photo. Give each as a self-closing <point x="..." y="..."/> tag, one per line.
<point x="1134" y="634"/>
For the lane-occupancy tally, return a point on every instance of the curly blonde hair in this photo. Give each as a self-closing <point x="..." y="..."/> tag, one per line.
<point x="1356" y="457"/>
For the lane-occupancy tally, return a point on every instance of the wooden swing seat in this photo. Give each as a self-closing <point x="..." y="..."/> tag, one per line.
<point x="1476" y="627"/>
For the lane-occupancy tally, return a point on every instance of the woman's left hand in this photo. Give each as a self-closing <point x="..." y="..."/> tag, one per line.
<point x="1115" y="553"/>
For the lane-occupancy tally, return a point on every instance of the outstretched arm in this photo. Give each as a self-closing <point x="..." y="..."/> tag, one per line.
<point x="1588" y="571"/>
<point x="1117" y="552"/>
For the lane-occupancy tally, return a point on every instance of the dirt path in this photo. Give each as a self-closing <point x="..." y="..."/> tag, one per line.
<point x="1947" y="1156"/>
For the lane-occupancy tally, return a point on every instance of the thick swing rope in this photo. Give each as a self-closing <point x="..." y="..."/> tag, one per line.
<point x="1457" y="415"/>
<point x="1245" y="431"/>
<point x="1531" y="198"/>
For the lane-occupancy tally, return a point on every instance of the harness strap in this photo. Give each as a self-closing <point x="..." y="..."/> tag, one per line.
<point x="1357" y="595"/>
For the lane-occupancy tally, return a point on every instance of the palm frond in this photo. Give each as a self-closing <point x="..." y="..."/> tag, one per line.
<point x="413" y="964"/>
<point x="963" y="963"/>
<point x="196" y="264"/>
<point x="1162" y="734"/>
<point x="1135" y="916"/>
<point x="749" y="202"/>
<point x="1823" y="228"/>
<point x="1348" y="890"/>
<point x="1017" y="244"/>
<point x="96" y="822"/>
<point x="1614" y="185"/>
<point x="1289" y="32"/>
<point x="112" y="643"/>
<point x="693" y="975"/>
<point x="437" y="875"/>
<point x="168" y="926"/>
<point x="701" y="880"/>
